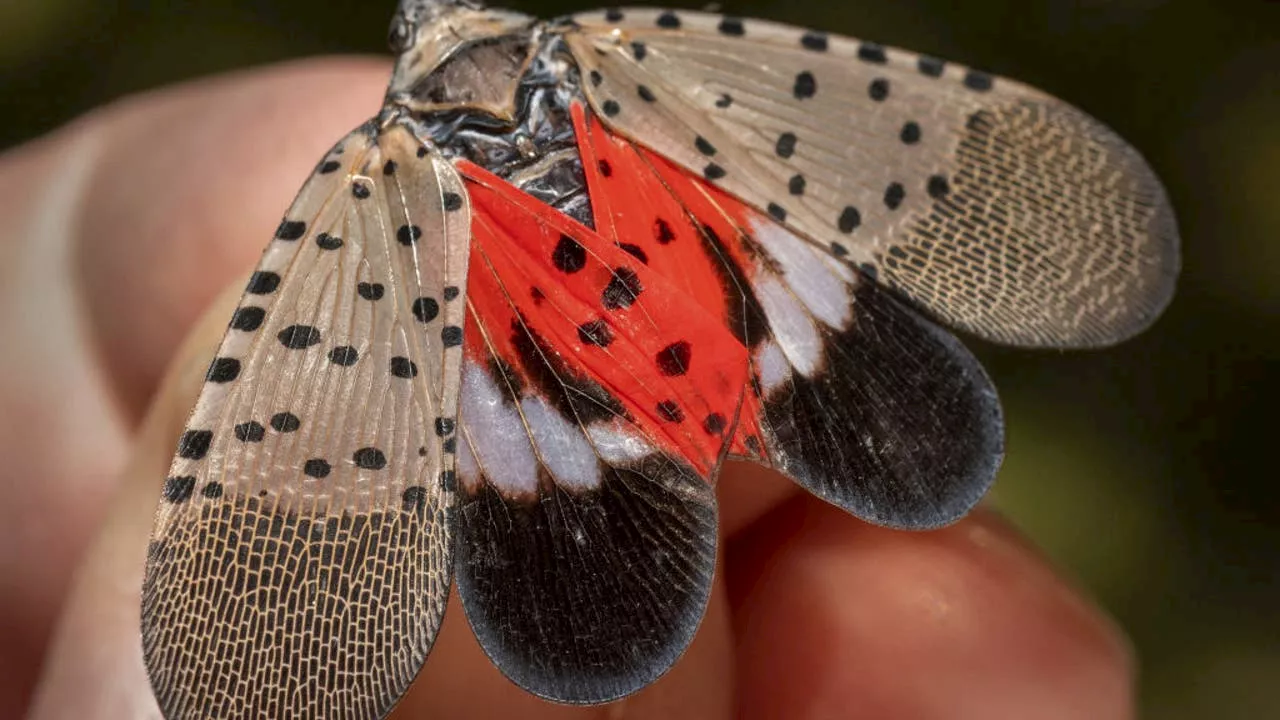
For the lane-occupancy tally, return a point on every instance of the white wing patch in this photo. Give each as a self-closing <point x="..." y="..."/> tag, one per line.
<point x="793" y="327"/>
<point x="563" y="446"/>
<point x="819" y="281"/>
<point x="996" y="207"/>
<point x="316" y="470"/>
<point x="505" y="457"/>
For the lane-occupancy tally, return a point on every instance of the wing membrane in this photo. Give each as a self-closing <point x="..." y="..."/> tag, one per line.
<point x="596" y="409"/>
<point x="854" y="395"/>
<point x="301" y="556"/>
<point x="994" y="207"/>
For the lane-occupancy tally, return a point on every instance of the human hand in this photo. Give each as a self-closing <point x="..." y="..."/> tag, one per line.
<point x="116" y="234"/>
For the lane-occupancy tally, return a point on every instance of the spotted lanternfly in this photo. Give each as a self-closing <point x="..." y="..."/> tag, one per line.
<point x="512" y="325"/>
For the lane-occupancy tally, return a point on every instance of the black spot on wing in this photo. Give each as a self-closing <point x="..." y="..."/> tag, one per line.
<point x="369" y="458"/>
<point x="930" y="66"/>
<point x="263" y="282"/>
<point x="285" y="422"/>
<point x="223" y="370"/>
<point x="817" y="42"/>
<point x="178" y="489"/>
<point x="674" y="359"/>
<point x="872" y="53"/>
<point x="732" y="27"/>
<point x="451" y="336"/>
<point x="569" y="256"/>
<point x="299" y="337"/>
<point x="250" y="431"/>
<point x="544" y="586"/>
<point x="978" y="80"/>
<point x="878" y="90"/>
<point x="248" y="318"/>
<point x="408" y="234"/>
<point x="194" y="444"/>
<point x="316" y="468"/>
<point x="806" y="86"/>
<point x="668" y="20"/>
<point x="344" y="355"/>
<point x="622" y="290"/>
<point x="291" y="230"/>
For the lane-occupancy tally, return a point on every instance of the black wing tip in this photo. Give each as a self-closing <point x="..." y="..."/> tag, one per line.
<point x="964" y="484"/>
<point x="607" y="591"/>
<point x="920" y="424"/>
<point x="590" y="685"/>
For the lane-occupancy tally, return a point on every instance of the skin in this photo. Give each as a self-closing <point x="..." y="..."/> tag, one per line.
<point x="135" y="226"/>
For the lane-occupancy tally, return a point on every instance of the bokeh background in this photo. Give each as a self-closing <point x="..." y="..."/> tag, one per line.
<point x="1149" y="471"/>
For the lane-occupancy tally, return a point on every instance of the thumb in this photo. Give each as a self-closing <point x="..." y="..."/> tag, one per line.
<point x="94" y="665"/>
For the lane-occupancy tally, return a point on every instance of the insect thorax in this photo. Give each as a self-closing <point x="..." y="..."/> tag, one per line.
<point x="519" y="125"/>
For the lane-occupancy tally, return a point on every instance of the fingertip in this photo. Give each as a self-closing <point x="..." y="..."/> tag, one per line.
<point x="965" y="622"/>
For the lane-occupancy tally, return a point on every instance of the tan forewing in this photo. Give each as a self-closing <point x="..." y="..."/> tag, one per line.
<point x="995" y="207"/>
<point x="301" y="556"/>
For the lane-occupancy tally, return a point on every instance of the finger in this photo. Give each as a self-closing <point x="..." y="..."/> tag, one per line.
<point x="189" y="186"/>
<point x="115" y="232"/>
<point x="747" y="492"/>
<point x="95" y="669"/>
<point x="836" y="618"/>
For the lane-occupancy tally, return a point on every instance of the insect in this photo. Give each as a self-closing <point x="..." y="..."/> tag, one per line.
<point x="512" y="326"/>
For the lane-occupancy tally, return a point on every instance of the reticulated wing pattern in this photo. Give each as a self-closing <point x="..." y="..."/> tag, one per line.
<point x="854" y="395"/>
<point x="597" y="404"/>
<point x="301" y="555"/>
<point x="994" y="207"/>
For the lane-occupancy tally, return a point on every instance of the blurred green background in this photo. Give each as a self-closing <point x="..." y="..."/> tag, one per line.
<point x="1146" y="470"/>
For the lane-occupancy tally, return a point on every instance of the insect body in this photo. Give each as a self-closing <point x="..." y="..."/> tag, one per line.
<point x="512" y="326"/>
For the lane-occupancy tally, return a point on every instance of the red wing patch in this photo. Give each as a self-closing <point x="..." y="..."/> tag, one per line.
<point x="549" y="290"/>
<point x="667" y="228"/>
<point x="597" y="403"/>
<point x="854" y="395"/>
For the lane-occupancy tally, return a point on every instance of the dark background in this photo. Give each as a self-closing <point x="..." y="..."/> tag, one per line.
<point x="1148" y="470"/>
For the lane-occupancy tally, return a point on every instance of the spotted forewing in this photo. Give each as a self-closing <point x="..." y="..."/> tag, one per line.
<point x="510" y="329"/>
<point x="301" y="556"/>
<point x="996" y="208"/>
